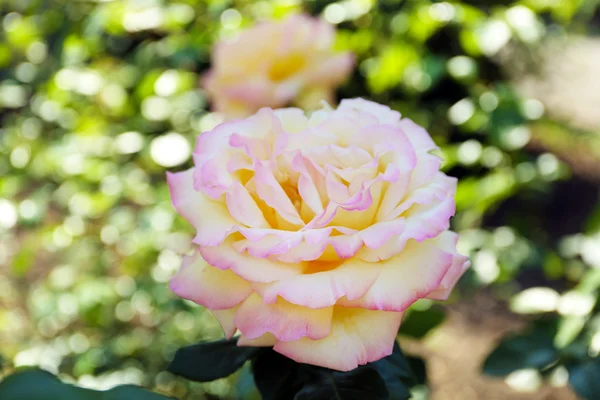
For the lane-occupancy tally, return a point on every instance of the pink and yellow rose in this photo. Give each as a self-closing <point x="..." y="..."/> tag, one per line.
<point x="315" y="233"/>
<point x="275" y="64"/>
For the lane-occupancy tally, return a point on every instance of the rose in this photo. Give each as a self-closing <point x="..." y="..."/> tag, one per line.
<point x="315" y="234"/>
<point x="274" y="64"/>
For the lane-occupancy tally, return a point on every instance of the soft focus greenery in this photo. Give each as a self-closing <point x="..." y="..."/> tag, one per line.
<point x="99" y="98"/>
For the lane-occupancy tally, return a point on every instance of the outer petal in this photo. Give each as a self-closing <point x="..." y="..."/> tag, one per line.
<point x="386" y="139"/>
<point x="427" y="169"/>
<point x="225" y="318"/>
<point x="230" y="108"/>
<point x="384" y="114"/>
<point x="357" y="337"/>
<point x="213" y="150"/>
<point x="332" y="71"/>
<point x="284" y="320"/>
<point x="250" y="268"/>
<point x="256" y="92"/>
<point x="209" y="217"/>
<point x="208" y="286"/>
<point x="417" y="135"/>
<point x="447" y="242"/>
<point x="312" y="97"/>
<point x="441" y="189"/>
<point x="210" y="173"/>
<point x="293" y="120"/>
<point x="266" y="340"/>
<point x="410" y="275"/>
<point x="305" y="30"/>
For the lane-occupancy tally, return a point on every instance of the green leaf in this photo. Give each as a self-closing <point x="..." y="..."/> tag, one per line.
<point x="592" y="224"/>
<point x="359" y="384"/>
<point x="35" y="384"/>
<point x="38" y="384"/>
<point x="396" y="373"/>
<point x="25" y="257"/>
<point x="245" y="388"/>
<point x="130" y="392"/>
<point x="205" y="362"/>
<point x="417" y="366"/>
<point x="585" y="379"/>
<point x="278" y="377"/>
<point x="534" y="349"/>
<point x="420" y="322"/>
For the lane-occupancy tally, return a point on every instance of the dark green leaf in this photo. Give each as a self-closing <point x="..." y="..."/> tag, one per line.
<point x="359" y="384"/>
<point x="417" y="366"/>
<point x="585" y="379"/>
<point x="396" y="373"/>
<point x="592" y="225"/>
<point x="277" y="377"/>
<point x="534" y="349"/>
<point x="419" y="323"/>
<point x="205" y="362"/>
<point x="35" y="384"/>
<point x="130" y="392"/>
<point x="245" y="388"/>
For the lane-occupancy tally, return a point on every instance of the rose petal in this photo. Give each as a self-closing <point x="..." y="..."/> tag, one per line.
<point x="274" y="63"/>
<point x="357" y="337"/>
<point x="410" y="275"/>
<point x="310" y="183"/>
<point x="351" y="279"/>
<point x="282" y="319"/>
<point x="210" y="173"/>
<point x="427" y="223"/>
<point x="225" y="318"/>
<point x="266" y="340"/>
<point x="208" y="286"/>
<point x="293" y="120"/>
<point x="417" y="135"/>
<point x="332" y="71"/>
<point x="447" y="242"/>
<point x="243" y="208"/>
<point x="269" y="190"/>
<point x="253" y="269"/>
<point x="209" y="217"/>
<point x="440" y="189"/>
<point x="384" y="114"/>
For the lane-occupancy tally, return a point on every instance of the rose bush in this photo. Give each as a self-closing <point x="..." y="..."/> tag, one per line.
<point x="275" y="63"/>
<point x="314" y="234"/>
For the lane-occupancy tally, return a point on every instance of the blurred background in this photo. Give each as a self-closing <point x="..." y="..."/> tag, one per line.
<point x="99" y="98"/>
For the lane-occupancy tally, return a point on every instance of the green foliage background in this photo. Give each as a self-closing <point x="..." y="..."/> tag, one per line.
<point x="90" y="91"/>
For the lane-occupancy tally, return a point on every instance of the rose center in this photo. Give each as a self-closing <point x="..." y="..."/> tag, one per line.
<point x="286" y="66"/>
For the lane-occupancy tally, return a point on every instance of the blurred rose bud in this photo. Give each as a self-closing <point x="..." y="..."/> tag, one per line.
<point x="275" y="64"/>
<point x="314" y="234"/>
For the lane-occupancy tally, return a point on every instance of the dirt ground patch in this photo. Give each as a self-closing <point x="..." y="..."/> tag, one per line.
<point x="456" y="351"/>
